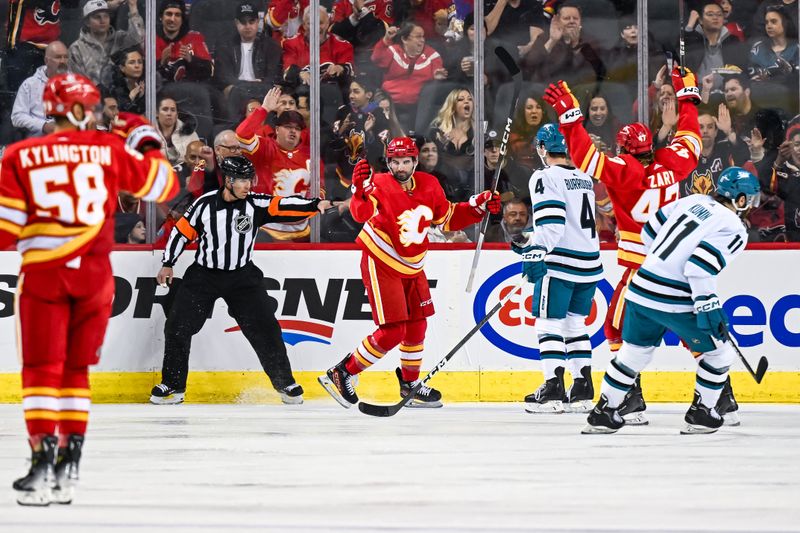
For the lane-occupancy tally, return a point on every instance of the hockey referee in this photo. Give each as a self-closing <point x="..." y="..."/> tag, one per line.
<point x="224" y="223"/>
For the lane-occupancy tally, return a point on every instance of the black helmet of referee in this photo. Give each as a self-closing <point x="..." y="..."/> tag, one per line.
<point x="238" y="168"/>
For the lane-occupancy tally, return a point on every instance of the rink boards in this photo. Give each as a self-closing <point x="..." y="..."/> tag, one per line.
<point x="322" y="307"/>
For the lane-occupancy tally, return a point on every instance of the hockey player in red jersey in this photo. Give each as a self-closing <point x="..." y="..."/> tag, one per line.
<point x="58" y="195"/>
<point x="397" y="208"/>
<point x="639" y="181"/>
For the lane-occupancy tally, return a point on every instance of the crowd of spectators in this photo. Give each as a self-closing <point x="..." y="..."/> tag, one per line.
<point x="233" y="73"/>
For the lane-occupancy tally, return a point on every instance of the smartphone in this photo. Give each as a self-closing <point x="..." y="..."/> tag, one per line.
<point x="670" y="62"/>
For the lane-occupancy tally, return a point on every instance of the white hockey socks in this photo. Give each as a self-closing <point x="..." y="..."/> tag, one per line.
<point x="712" y="372"/>
<point x="622" y="371"/>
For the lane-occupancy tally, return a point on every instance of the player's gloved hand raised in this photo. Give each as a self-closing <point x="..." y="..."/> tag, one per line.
<point x="137" y="131"/>
<point x="362" y="178"/>
<point x="711" y="318"/>
<point x="486" y="200"/>
<point x="686" y="89"/>
<point x="560" y="98"/>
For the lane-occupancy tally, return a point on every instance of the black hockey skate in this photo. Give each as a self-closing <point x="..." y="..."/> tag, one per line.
<point x="633" y="407"/>
<point x="36" y="487"/>
<point x="292" y="394"/>
<point x="424" y="397"/>
<point x="166" y="395"/>
<point x="549" y="397"/>
<point x="66" y="470"/>
<point x="727" y="406"/>
<point x="603" y="419"/>
<point x="340" y="384"/>
<point x="581" y="393"/>
<point x="700" y="418"/>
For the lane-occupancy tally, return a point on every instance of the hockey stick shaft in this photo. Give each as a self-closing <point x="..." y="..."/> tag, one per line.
<point x="516" y="74"/>
<point x="390" y="410"/>
<point x="763" y="364"/>
<point x="681" y="39"/>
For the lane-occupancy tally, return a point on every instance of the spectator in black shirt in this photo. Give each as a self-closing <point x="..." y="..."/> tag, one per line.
<point x="247" y="66"/>
<point x="786" y="182"/>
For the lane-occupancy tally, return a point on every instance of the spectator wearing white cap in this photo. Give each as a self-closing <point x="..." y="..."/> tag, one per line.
<point x="90" y="55"/>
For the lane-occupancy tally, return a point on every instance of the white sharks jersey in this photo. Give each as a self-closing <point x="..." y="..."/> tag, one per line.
<point x="688" y="243"/>
<point x="563" y="221"/>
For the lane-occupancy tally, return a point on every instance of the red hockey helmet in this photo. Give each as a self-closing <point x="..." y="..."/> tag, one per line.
<point x="64" y="92"/>
<point x="635" y="139"/>
<point x="402" y="147"/>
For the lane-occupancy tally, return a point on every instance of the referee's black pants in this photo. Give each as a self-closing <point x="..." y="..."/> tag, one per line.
<point x="248" y="304"/>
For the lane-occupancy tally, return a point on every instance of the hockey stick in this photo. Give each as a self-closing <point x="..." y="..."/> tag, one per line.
<point x="681" y="40"/>
<point x="391" y="410"/>
<point x="763" y="364"/>
<point x="516" y="75"/>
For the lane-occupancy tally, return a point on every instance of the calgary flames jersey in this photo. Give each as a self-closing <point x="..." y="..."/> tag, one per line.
<point x="58" y="193"/>
<point x="280" y="172"/>
<point x="636" y="191"/>
<point x="396" y="220"/>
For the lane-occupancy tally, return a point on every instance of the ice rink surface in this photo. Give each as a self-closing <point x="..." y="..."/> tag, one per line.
<point x="465" y="467"/>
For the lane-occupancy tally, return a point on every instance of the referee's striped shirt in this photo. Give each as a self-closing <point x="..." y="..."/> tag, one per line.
<point x="226" y="231"/>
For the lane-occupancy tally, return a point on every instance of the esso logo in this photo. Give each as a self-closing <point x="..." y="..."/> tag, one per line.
<point x="515" y="331"/>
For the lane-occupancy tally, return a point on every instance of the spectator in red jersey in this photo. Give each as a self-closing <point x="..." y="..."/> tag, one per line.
<point x="182" y="54"/>
<point x="183" y="57"/>
<point x="282" y="163"/>
<point x="32" y="25"/>
<point x="408" y="63"/>
<point x="357" y="10"/>
<point x="361" y="23"/>
<point x="91" y="54"/>
<point x="285" y="18"/>
<point x="335" y="54"/>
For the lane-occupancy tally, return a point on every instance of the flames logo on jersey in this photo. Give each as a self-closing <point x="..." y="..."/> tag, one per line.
<point x="702" y="183"/>
<point x="49" y="15"/>
<point x="289" y="182"/>
<point x="414" y="225"/>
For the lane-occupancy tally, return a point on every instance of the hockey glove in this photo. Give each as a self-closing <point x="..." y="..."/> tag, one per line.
<point x="533" y="265"/>
<point x="137" y="131"/>
<point x="362" y="179"/>
<point x="686" y="89"/>
<point x="711" y="318"/>
<point x="486" y="200"/>
<point x="564" y="102"/>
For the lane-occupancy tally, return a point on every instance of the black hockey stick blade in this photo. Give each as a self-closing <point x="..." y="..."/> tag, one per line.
<point x="391" y="410"/>
<point x="761" y="369"/>
<point x="507" y="61"/>
<point x="763" y="364"/>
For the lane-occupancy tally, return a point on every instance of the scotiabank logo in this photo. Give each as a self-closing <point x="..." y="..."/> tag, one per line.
<point x="515" y="333"/>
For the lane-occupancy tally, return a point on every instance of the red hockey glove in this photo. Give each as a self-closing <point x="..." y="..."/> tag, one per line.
<point x="486" y="200"/>
<point x="564" y="102"/>
<point x="362" y="178"/>
<point x="686" y="89"/>
<point x="137" y="131"/>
